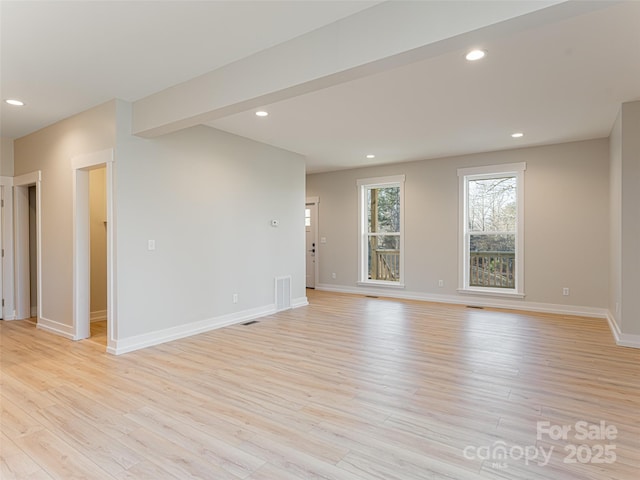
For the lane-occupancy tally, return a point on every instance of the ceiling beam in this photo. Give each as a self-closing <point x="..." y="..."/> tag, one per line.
<point x="385" y="36"/>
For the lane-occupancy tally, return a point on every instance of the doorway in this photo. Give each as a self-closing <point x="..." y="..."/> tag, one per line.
<point x="27" y="281"/>
<point x="98" y="255"/>
<point x="311" y="240"/>
<point x="93" y="285"/>
<point x="33" y="252"/>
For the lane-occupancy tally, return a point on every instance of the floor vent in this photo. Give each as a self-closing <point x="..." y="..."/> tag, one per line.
<point x="476" y="307"/>
<point x="371" y="296"/>
<point x="250" y="323"/>
<point x="283" y="293"/>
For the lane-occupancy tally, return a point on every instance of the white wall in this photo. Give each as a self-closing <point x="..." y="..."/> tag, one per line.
<point x="630" y="252"/>
<point x="206" y="197"/>
<point x="51" y="150"/>
<point x="566" y="206"/>
<point x="625" y="223"/>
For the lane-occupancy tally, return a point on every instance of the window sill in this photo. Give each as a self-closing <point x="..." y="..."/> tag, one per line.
<point x="490" y="292"/>
<point x="381" y="283"/>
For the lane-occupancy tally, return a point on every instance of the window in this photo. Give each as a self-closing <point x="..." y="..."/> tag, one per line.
<point x="491" y="243"/>
<point x="381" y="256"/>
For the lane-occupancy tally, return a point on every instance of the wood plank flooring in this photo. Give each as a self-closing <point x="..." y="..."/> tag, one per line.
<point x="348" y="388"/>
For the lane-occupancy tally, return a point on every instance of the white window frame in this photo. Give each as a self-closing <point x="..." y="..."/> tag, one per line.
<point x="363" y="265"/>
<point x="488" y="172"/>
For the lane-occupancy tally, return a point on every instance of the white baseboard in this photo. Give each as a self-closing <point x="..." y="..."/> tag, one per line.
<point x="480" y="301"/>
<point x="622" y="339"/>
<point x="137" y="342"/>
<point x="56" y="327"/>
<point x="9" y="316"/>
<point x="299" y="302"/>
<point x="98" y="316"/>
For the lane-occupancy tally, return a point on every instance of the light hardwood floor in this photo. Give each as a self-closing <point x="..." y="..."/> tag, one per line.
<point x="346" y="388"/>
<point x="98" y="332"/>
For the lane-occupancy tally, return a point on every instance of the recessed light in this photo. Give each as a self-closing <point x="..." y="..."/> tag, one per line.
<point x="371" y="155"/>
<point x="14" y="102"/>
<point x="517" y="135"/>
<point x="262" y="113"/>
<point x="475" y="55"/>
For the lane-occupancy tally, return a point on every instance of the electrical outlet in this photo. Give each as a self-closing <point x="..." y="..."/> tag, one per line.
<point x="565" y="291"/>
<point x="333" y="275"/>
<point x="235" y="298"/>
<point x="440" y="283"/>
<point x="151" y="245"/>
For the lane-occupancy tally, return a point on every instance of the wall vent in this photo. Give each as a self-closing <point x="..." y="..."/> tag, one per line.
<point x="283" y="293"/>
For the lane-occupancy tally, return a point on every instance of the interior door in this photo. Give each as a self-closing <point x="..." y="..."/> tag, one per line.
<point x="310" y="225"/>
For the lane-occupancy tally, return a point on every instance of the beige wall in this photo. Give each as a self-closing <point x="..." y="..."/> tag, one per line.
<point x="566" y="206"/>
<point x="6" y="157"/>
<point x="51" y="150"/>
<point x="98" y="235"/>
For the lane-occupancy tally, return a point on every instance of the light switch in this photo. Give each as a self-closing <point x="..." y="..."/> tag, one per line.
<point x="323" y="239"/>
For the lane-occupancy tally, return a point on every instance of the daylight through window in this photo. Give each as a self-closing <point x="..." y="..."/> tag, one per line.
<point x="381" y="226"/>
<point x="491" y="247"/>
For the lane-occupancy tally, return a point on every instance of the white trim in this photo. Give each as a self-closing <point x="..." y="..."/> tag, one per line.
<point x="381" y="283"/>
<point x="380" y="181"/>
<point x="181" y="331"/>
<point x="490" y="292"/>
<point x="362" y="185"/>
<point x="316" y="202"/>
<point x="30" y="178"/>
<point x="490" y="171"/>
<point x="299" y="302"/>
<point x="98" y="315"/>
<point x="622" y="339"/>
<point x="88" y="160"/>
<point x="576" y="310"/>
<point x="24" y="181"/>
<point x="81" y="165"/>
<point x="8" y="311"/>
<point x="56" y="327"/>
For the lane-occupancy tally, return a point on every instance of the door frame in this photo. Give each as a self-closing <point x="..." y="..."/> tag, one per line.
<point x="81" y="165"/>
<point x="8" y="311"/>
<point x="22" y="286"/>
<point x="315" y="201"/>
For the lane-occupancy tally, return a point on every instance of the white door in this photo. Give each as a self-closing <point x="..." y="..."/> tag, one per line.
<point x="310" y="225"/>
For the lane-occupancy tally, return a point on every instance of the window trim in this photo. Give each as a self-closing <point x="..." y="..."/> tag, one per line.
<point x="362" y="186"/>
<point x="488" y="172"/>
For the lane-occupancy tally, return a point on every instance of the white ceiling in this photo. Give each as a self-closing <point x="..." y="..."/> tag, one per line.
<point x="63" y="57"/>
<point x="561" y="81"/>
